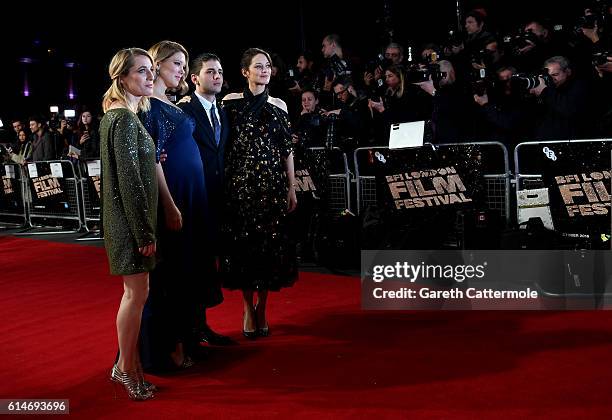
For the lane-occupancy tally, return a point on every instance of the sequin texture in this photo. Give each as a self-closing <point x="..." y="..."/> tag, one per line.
<point x="257" y="254"/>
<point x="129" y="191"/>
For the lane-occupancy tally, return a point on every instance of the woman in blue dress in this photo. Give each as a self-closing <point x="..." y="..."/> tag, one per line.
<point x="168" y="318"/>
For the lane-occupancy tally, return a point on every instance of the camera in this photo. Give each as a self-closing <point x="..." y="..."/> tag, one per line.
<point x="587" y="22"/>
<point x="337" y="67"/>
<point x="525" y="82"/>
<point x="600" y="58"/>
<point x="516" y="42"/>
<point x="379" y="61"/>
<point x="483" y="56"/>
<point x="415" y="74"/>
<point x="481" y="82"/>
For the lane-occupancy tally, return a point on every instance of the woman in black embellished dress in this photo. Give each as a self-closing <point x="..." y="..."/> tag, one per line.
<point x="260" y="191"/>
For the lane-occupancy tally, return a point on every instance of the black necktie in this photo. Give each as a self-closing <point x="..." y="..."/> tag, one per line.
<point x="215" y="124"/>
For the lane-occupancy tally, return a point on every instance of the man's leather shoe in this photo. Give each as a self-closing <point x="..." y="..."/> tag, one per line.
<point x="209" y="336"/>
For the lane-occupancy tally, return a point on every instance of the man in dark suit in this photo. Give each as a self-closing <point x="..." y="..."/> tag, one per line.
<point x="211" y="132"/>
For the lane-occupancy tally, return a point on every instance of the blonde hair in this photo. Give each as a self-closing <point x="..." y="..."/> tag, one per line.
<point x="397" y="71"/>
<point x="120" y="66"/>
<point x="166" y="49"/>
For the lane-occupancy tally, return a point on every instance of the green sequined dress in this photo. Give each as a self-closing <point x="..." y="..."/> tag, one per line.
<point x="129" y="191"/>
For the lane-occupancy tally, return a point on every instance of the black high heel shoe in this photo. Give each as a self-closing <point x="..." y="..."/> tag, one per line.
<point x="250" y="334"/>
<point x="262" y="331"/>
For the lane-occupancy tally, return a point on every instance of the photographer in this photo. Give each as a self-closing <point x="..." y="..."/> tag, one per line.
<point x="335" y="66"/>
<point x="304" y="76"/>
<point x="354" y="117"/>
<point x="492" y="58"/>
<point x="477" y="36"/>
<point x="569" y="104"/>
<point x="506" y="114"/>
<point x="603" y="66"/>
<point x="309" y="128"/>
<point x="373" y="76"/>
<point x="401" y="102"/>
<point x="452" y="106"/>
<point x="537" y="44"/>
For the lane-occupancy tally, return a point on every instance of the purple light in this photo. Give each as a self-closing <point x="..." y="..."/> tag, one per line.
<point x="26" y="86"/>
<point x="71" y="95"/>
<point x="26" y="60"/>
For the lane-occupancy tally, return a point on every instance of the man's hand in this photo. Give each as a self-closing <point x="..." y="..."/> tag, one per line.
<point x="537" y="91"/>
<point x="481" y="100"/>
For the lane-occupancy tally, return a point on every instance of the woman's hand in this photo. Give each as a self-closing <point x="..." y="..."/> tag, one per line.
<point x="147" y="250"/>
<point x="84" y="138"/>
<point x="377" y="106"/>
<point x="291" y="199"/>
<point x="174" y="220"/>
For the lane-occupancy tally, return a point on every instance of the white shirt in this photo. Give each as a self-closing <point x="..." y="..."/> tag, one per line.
<point x="207" y="106"/>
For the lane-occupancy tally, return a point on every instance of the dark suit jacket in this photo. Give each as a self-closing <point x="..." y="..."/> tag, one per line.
<point x="211" y="154"/>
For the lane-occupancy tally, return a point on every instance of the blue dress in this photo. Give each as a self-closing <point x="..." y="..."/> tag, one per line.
<point x="177" y="284"/>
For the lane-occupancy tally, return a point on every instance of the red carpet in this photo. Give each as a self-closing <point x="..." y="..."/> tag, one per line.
<point x="325" y="359"/>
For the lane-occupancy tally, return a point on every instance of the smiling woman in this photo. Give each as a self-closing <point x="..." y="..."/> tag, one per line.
<point x="260" y="191"/>
<point x="169" y="320"/>
<point x="129" y="202"/>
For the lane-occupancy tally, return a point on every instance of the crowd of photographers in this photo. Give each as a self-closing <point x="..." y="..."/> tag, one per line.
<point x="544" y="83"/>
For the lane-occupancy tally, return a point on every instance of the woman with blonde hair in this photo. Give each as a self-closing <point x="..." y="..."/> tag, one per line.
<point x="169" y="316"/>
<point x="129" y="202"/>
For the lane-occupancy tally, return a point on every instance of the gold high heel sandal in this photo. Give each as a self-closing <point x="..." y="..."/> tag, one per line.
<point x="145" y="384"/>
<point x="131" y="384"/>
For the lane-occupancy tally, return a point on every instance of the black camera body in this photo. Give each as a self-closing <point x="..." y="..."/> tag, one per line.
<point x="415" y="74"/>
<point x="379" y="61"/>
<point x="481" y="82"/>
<point x="600" y="58"/>
<point x="483" y="56"/>
<point x="525" y="82"/>
<point x="516" y="42"/>
<point x="587" y="22"/>
<point x="337" y="67"/>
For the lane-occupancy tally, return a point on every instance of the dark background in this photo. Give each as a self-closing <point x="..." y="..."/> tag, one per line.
<point x="88" y="34"/>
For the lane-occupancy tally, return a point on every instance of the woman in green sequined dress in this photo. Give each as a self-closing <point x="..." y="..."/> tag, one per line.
<point x="129" y="202"/>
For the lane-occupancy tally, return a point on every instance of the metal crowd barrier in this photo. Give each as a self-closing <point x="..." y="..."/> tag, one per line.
<point x="530" y="159"/>
<point x="495" y="167"/>
<point x="54" y="194"/>
<point x="12" y="197"/>
<point x="527" y="169"/>
<point x="90" y="189"/>
<point x="338" y="181"/>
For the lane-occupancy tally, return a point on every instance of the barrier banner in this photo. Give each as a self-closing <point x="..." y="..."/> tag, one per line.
<point x="427" y="181"/>
<point x="49" y="193"/>
<point x="578" y="179"/>
<point x="420" y="193"/>
<point x="313" y="167"/>
<point x="10" y="199"/>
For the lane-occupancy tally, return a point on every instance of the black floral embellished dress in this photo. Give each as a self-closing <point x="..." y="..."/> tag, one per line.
<point x="257" y="254"/>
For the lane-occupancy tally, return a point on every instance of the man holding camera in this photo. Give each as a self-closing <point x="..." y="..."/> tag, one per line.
<point x="568" y="103"/>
